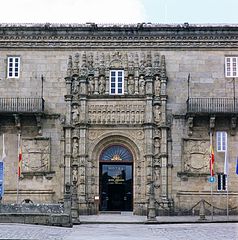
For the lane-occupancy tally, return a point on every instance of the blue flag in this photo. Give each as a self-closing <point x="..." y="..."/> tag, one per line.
<point x="237" y="165"/>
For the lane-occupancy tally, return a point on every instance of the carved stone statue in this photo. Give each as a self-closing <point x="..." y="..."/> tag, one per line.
<point x="75" y="147"/>
<point x="74" y="174"/>
<point x="131" y="85"/>
<point x="102" y="85"/>
<point x="141" y="85"/>
<point x="157" y="114"/>
<point x="75" y="114"/>
<point x="90" y="85"/>
<point x="157" y="86"/>
<point x="75" y="86"/>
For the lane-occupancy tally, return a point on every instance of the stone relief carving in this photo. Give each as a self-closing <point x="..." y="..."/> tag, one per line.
<point x="95" y="68"/>
<point x="36" y="155"/>
<point x="119" y="113"/>
<point x="196" y="156"/>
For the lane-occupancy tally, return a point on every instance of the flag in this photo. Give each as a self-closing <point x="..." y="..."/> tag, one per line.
<point x="237" y="165"/>
<point x="226" y="166"/>
<point x="19" y="156"/>
<point x="212" y="161"/>
<point x="3" y="149"/>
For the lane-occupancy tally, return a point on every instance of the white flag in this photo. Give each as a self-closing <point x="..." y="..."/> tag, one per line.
<point x="226" y="166"/>
<point x="3" y="149"/>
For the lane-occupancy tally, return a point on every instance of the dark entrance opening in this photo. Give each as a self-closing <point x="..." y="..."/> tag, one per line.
<point x="116" y="180"/>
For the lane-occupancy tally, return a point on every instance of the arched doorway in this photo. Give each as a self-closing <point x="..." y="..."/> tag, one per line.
<point x="116" y="179"/>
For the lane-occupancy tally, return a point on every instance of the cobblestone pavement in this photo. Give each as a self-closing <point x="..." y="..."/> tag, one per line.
<point x="204" y="231"/>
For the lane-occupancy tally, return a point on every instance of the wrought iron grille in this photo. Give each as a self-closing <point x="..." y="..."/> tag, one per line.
<point x="212" y="105"/>
<point x="21" y="105"/>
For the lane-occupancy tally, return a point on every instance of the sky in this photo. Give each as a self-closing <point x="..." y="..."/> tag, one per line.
<point x="119" y="11"/>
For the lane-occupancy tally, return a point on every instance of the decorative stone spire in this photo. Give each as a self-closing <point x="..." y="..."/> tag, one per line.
<point x="148" y="59"/>
<point x="70" y="66"/>
<point x="83" y="69"/>
<point x="163" y="69"/>
<point x="76" y="64"/>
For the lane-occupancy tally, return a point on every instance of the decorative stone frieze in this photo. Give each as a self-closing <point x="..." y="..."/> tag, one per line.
<point x="116" y="113"/>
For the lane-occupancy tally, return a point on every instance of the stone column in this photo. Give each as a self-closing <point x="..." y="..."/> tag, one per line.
<point x="164" y="130"/>
<point x="149" y="146"/>
<point x="67" y="136"/>
<point x="107" y="73"/>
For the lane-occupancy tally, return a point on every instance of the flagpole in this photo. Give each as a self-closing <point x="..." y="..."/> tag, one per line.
<point x="226" y="172"/>
<point x="18" y="148"/>
<point x="227" y="200"/>
<point x="211" y="172"/>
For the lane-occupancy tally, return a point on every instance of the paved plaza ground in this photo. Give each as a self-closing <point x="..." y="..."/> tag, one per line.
<point x="191" y="231"/>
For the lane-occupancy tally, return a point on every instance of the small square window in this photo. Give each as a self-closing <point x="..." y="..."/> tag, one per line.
<point x="13" y="67"/>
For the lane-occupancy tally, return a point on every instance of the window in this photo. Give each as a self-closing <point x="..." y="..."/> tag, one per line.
<point x="13" y="67"/>
<point x="231" y="66"/>
<point x="221" y="182"/>
<point x="116" y="82"/>
<point x="221" y="141"/>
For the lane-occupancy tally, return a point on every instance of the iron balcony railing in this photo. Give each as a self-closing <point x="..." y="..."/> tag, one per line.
<point x="212" y="105"/>
<point x="21" y="105"/>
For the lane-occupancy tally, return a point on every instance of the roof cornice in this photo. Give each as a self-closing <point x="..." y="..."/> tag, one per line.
<point x="142" y="35"/>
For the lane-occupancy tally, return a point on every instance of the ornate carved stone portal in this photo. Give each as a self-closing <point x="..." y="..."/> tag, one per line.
<point x="139" y="115"/>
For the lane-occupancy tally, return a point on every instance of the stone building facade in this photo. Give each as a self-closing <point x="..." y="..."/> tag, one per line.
<point x="124" y="113"/>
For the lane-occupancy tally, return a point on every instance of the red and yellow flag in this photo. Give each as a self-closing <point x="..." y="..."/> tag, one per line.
<point x="212" y="162"/>
<point x="19" y="158"/>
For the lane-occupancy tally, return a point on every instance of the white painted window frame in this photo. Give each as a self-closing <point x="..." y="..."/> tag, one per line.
<point x="13" y="67"/>
<point x="116" y="71"/>
<point x="221" y="137"/>
<point x="231" y="66"/>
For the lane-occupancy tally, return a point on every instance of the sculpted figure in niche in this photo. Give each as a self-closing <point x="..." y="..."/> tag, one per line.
<point x="75" y="147"/>
<point x="157" y="86"/>
<point x="141" y="85"/>
<point x="74" y="174"/>
<point x="90" y="85"/>
<point x="131" y="85"/>
<point x="75" y="87"/>
<point x="102" y="85"/>
<point x="75" y="114"/>
<point x="157" y="114"/>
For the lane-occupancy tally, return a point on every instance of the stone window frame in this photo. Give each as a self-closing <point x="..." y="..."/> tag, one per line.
<point x="14" y="70"/>
<point x="221" y="141"/>
<point x="116" y="71"/>
<point x="231" y="66"/>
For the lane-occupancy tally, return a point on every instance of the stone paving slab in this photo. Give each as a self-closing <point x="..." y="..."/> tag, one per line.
<point x="124" y="218"/>
<point x="205" y="231"/>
